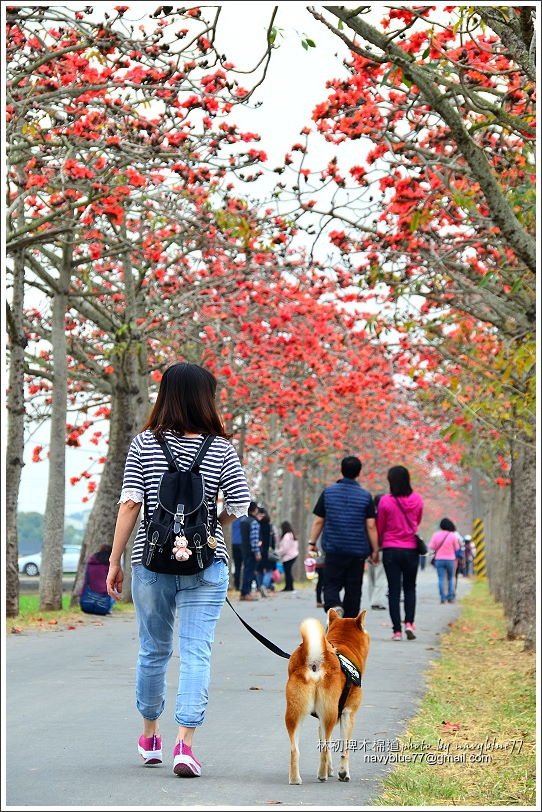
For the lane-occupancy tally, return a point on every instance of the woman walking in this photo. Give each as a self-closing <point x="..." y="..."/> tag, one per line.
<point x="397" y="520"/>
<point x="288" y="551"/>
<point x="445" y="543"/>
<point x="183" y="415"/>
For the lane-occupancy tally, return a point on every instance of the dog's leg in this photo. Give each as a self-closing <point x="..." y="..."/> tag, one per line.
<point x="292" y="728"/>
<point x="347" y="724"/>
<point x="325" y="728"/>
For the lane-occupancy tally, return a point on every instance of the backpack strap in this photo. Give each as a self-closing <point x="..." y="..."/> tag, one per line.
<point x="194" y="466"/>
<point x="172" y="465"/>
<point x="204" y="447"/>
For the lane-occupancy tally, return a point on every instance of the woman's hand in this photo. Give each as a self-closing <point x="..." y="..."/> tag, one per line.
<point x="114" y="581"/>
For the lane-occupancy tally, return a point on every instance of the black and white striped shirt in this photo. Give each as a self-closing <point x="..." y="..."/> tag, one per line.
<point x="220" y="467"/>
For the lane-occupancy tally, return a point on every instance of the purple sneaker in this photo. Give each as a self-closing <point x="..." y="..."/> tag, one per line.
<point x="150" y="749"/>
<point x="185" y="764"/>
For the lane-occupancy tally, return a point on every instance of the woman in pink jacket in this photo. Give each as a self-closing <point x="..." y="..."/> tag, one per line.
<point x="288" y="551"/>
<point x="397" y="520"/>
<point x="445" y="542"/>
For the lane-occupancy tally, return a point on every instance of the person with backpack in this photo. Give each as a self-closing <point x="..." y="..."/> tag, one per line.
<point x="174" y="469"/>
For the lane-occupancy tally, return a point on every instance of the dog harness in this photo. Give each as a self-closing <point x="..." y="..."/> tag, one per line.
<point x="353" y="677"/>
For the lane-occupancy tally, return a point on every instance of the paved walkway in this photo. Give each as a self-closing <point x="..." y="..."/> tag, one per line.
<point x="72" y="727"/>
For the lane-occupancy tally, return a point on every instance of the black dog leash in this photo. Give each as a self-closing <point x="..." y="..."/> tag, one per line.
<point x="267" y="643"/>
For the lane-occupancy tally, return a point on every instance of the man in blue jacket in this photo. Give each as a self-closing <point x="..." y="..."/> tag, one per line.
<point x="250" y="545"/>
<point x="345" y="517"/>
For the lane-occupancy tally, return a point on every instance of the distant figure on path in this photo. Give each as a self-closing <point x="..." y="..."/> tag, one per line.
<point x="445" y="544"/>
<point x="288" y="551"/>
<point x="237" y="553"/>
<point x="378" y="583"/>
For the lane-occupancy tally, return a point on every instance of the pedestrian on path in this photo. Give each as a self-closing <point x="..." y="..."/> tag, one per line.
<point x="237" y="553"/>
<point x="251" y="546"/>
<point x="184" y="413"/>
<point x="398" y="518"/>
<point x="378" y="583"/>
<point x="445" y="543"/>
<point x="288" y="551"/>
<point x="345" y="517"/>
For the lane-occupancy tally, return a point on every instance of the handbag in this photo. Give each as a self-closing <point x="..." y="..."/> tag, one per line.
<point x="421" y="546"/>
<point x="273" y="555"/>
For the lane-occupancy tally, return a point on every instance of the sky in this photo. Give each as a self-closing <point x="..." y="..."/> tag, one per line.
<point x="294" y="84"/>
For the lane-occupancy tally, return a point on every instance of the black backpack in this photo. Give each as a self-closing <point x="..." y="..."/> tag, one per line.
<point x="182" y="511"/>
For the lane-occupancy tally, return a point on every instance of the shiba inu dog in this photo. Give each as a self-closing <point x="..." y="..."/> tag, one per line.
<point x="324" y="680"/>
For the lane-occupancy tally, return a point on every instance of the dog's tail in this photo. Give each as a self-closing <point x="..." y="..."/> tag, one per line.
<point x="313" y="646"/>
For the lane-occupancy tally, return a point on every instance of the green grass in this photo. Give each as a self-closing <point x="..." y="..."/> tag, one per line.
<point x="481" y="692"/>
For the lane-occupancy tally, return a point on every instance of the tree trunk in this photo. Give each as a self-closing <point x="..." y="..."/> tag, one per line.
<point x="522" y="572"/>
<point x="129" y="407"/>
<point x="125" y="422"/>
<point x="53" y="526"/>
<point x="15" y="432"/>
<point x="498" y="546"/>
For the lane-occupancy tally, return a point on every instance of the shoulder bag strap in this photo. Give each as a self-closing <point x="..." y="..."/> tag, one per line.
<point x="441" y="543"/>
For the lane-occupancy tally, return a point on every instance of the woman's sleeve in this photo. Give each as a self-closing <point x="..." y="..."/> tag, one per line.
<point x="133" y="485"/>
<point x="233" y="484"/>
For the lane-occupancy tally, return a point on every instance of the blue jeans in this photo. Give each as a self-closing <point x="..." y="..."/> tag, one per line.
<point x="249" y="573"/>
<point x="445" y="571"/>
<point x="198" y="599"/>
<point x="267" y="579"/>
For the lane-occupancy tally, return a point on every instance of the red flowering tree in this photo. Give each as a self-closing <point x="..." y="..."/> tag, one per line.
<point x="102" y="119"/>
<point x="438" y="213"/>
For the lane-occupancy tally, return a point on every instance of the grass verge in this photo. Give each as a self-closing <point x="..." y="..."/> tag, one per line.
<point x="30" y="616"/>
<point x="473" y="740"/>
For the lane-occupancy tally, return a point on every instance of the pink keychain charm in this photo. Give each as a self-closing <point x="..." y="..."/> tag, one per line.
<point x="180" y="549"/>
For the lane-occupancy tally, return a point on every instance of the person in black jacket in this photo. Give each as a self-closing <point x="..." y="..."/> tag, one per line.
<point x="268" y="543"/>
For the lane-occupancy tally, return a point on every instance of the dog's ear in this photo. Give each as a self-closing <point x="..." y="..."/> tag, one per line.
<point x="360" y="620"/>
<point x="331" y="616"/>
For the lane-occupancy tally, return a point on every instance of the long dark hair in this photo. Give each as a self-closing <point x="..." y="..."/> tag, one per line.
<point x="399" y="480"/>
<point x="186" y="403"/>
<point x="286" y="527"/>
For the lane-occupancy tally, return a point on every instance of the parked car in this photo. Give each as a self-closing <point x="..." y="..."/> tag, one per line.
<point x="31" y="564"/>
